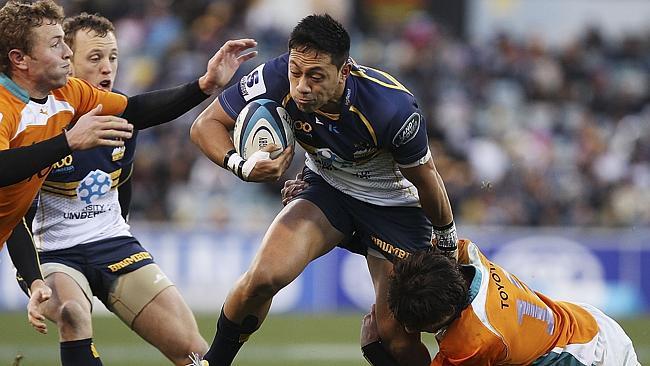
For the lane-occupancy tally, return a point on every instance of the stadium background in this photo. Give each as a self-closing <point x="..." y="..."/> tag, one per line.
<point x="539" y="121"/>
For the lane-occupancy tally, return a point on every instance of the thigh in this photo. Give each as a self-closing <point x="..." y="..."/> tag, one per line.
<point x="134" y="291"/>
<point x="299" y="234"/>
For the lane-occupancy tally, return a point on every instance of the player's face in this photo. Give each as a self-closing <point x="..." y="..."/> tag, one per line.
<point x="95" y="58"/>
<point x="49" y="60"/>
<point x="314" y="80"/>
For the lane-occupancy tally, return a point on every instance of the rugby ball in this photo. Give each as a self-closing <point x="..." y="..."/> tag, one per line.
<point x="260" y="123"/>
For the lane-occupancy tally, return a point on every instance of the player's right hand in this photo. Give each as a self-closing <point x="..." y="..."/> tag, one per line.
<point x="292" y="188"/>
<point x="369" y="331"/>
<point x="92" y="130"/>
<point x="39" y="293"/>
<point x="267" y="170"/>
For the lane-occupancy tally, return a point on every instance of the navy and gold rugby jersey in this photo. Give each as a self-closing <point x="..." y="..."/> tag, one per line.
<point x="358" y="151"/>
<point x="78" y="202"/>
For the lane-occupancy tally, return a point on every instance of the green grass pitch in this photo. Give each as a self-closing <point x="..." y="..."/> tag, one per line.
<point x="287" y="340"/>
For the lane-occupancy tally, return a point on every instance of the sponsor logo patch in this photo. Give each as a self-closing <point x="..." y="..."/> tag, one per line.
<point x="408" y="131"/>
<point x="252" y="85"/>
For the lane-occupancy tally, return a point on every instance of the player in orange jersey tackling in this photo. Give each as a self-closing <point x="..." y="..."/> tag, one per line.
<point x="483" y="315"/>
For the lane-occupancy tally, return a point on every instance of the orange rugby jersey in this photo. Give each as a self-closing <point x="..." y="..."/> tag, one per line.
<point x="24" y="122"/>
<point x="509" y="324"/>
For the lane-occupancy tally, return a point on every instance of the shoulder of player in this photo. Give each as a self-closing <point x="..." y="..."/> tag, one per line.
<point x="456" y="345"/>
<point x="385" y="109"/>
<point x="269" y="78"/>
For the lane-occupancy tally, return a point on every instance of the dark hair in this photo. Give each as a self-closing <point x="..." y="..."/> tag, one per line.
<point x="18" y="19"/>
<point x="425" y="288"/>
<point x="321" y="33"/>
<point x="89" y="22"/>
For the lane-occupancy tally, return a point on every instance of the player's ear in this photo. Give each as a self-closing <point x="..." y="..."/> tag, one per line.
<point x="18" y="59"/>
<point x="345" y="71"/>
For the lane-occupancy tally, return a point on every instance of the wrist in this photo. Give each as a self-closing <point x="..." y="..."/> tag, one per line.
<point x="446" y="237"/>
<point x="69" y="141"/>
<point x="206" y="86"/>
<point x="377" y="355"/>
<point x="36" y="284"/>
<point x="234" y="162"/>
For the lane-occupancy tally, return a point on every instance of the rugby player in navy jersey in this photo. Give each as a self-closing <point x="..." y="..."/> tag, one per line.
<point x="368" y="171"/>
<point x="85" y="246"/>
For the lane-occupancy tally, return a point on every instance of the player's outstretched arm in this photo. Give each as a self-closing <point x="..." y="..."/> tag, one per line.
<point x="160" y="106"/>
<point x="225" y="62"/>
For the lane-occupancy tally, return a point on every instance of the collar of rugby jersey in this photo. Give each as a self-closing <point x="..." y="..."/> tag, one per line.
<point x="16" y="90"/>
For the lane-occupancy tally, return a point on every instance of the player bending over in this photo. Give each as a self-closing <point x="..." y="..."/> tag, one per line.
<point x="482" y="314"/>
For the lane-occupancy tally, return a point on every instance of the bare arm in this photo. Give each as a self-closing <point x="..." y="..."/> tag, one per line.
<point x="435" y="203"/>
<point x="211" y="133"/>
<point x="431" y="189"/>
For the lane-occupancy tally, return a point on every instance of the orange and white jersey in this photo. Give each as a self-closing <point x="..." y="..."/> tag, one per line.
<point x="507" y="323"/>
<point x="24" y="122"/>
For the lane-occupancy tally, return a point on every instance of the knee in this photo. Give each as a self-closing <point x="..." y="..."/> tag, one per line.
<point x="192" y="344"/>
<point x="264" y="283"/>
<point x="72" y="315"/>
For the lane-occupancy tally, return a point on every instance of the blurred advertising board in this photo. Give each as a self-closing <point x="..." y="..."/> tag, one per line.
<point x="609" y="268"/>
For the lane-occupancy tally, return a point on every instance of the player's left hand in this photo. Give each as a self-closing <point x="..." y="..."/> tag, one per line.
<point x="224" y="63"/>
<point x="40" y="293"/>
<point x="369" y="332"/>
<point x="292" y="188"/>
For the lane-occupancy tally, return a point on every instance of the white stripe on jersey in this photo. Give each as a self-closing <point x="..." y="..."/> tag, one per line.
<point x="36" y="114"/>
<point x="377" y="181"/>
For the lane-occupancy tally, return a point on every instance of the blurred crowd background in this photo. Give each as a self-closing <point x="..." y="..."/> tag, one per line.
<point x="526" y="129"/>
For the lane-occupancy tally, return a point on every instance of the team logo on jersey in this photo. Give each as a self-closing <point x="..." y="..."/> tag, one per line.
<point x="96" y="184"/>
<point x="118" y="153"/>
<point x="408" y="131"/>
<point x="252" y="84"/>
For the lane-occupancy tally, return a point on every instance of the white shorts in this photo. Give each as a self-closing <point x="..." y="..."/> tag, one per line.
<point x="613" y="346"/>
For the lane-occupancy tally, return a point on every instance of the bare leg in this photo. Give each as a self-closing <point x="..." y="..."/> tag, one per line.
<point x="298" y="235"/>
<point x="404" y="347"/>
<point x="169" y="325"/>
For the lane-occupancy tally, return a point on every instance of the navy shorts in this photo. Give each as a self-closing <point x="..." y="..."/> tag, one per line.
<point x="102" y="262"/>
<point x="393" y="231"/>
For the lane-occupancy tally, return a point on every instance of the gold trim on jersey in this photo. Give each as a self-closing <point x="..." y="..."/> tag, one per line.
<point x="332" y="116"/>
<point x="286" y="99"/>
<point x="69" y="189"/>
<point x="354" y="110"/>
<point x="396" y="84"/>
<point x="122" y="181"/>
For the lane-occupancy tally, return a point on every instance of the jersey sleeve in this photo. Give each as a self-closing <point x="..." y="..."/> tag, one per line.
<point x="267" y="81"/>
<point x="407" y="134"/>
<point x="7" y="129"/>
<point x="84" y="97"/>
